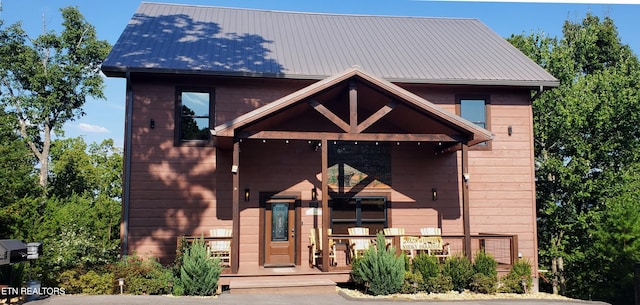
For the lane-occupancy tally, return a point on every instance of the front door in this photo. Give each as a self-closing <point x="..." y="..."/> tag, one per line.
<point x="280" y="234"/>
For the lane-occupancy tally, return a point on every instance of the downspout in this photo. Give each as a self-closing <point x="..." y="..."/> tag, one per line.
<point x="126" y="187"/>
<point x="540" y="90"/>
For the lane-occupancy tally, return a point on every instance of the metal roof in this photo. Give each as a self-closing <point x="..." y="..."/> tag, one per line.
<point x="227" y="41"/>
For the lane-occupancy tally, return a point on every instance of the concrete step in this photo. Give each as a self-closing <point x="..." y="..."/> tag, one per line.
<point x="288" y="285"/>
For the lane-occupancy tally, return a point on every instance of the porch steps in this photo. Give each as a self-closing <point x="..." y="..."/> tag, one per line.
<point x="286" y="285"/>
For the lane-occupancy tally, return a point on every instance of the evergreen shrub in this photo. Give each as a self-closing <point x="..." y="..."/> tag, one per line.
<point x="199" y="273"/>
<point x="380" y="269"/>
<point x="460" y="270"/>
<point x="413" y="282"/>
<point x="484" y="263"/>
<point x="438" y="284"/>
<point x="481" y="283"/>
<point x="427" y="265"/>
<point x="519" y="279"/>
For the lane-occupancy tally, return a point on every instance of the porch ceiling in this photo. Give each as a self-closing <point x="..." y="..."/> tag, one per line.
<point x="353" y="105"/>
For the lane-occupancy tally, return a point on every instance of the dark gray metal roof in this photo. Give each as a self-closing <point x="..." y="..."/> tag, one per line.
<point x="227" y="41"/>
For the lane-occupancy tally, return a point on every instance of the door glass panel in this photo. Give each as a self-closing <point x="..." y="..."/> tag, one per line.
<point x="280" y="221"/>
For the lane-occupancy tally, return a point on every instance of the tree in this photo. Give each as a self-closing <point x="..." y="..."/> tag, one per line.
<point x="44" y="82"/>
<point x="17" y="176"/>
<point x="587" y="134"/>
<point x="79" y="220"/>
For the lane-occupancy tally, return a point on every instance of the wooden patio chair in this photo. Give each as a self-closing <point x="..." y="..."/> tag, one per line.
<point x="315" y="248"/>
<point x="443" y="249"/>
<point x="396" y="232"/>
<point x="358" y="245"/>
<point x="431" y="231"/>
<point x="221" y="249"/>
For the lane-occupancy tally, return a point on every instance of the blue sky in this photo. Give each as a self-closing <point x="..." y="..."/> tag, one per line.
<point x="105" y="118"/>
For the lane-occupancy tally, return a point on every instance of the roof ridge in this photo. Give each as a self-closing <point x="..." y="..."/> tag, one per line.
<point x="307" y="13"/>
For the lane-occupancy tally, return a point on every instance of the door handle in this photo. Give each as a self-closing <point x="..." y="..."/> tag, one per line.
<point x="293" y="231"/>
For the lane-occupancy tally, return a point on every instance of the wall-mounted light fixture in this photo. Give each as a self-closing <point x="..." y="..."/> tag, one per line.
<point x="152" y="124"/>
<point x="510" y="130"/>
<point x="434" y="194"/>
<point x="234" y="169"/>
<point x="247" y="195"/>
<point x="465" y="177"/>
<point x="314" y="194"/>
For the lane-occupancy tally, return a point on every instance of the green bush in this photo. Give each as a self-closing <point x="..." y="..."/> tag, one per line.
<point x="482" y="283"/>
<point x="427" y="265"/>
<point x="519" y="279"/>
<point x="199" y="273"/>
<point x="355" y="274"/>
<point x="460" y="270"/>
<point x="380" y="269"/>
<point x="484" y="263"/>
<point x="485" y="279"/>
<point x="77" y="281"/>
<point x="413" y="282"/>
<point x="438" y="284"/>
<point x="94" y="283"/>
<point x="143" y="276"/>
<point x="69" y="281"/>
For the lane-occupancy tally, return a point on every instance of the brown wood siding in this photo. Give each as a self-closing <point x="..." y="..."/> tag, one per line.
<point x="187" y="190"/>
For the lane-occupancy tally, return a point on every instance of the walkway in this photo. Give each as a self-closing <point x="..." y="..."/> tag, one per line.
<point x="255" y="299"/>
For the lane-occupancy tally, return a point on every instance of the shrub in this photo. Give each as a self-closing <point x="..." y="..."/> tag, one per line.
<point x="413" y="282"/>
<point x="482" y="283"/>
<point x="485" y="279"/>
<point x="460" y="270"/>
<point x="485" y="264"/>
<point x="427" y="265"/>
<point x="519" y="279"/>
<point x="143" y="276"/>
<point x="380" y="269"/>
<point x="92" y="282"/>
<point x="355" y="274"/>
<point x="199" y="273"/>
<point x="438" y="284"/>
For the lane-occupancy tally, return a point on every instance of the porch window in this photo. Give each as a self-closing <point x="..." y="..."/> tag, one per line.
<point x="194" y="109"/>
<point x="368" y="212"/>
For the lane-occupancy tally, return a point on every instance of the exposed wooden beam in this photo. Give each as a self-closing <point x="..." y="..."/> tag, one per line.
<point x="330" y="115"/>
<point x="376" y="116"/>
<point x="353" y="107"/>
<point x="298" y="135"/>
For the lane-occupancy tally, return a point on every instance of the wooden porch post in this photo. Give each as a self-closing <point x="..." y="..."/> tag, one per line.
<point x="325" y="206"/>
<point x="465" y="200"/>
<point x="235" y="212"/>
<point x="353" y="107"/>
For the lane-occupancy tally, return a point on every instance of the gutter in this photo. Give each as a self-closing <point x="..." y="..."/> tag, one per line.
<point x="126" y="188"/>
<point x="120" y="71"/>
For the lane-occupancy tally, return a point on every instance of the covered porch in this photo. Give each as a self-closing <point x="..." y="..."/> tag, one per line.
<point x="354" y="112"/>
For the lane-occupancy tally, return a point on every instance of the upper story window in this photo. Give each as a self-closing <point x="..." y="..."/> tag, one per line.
<point x="194" y="112"/>
<point x="476" y="110"/>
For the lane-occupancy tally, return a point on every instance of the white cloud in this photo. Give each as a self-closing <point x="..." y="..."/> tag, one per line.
<point x="92" y="128"/>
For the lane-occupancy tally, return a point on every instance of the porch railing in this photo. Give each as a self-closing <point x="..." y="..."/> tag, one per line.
<point x="504" y="248"/>
<point x="217" y="246"/>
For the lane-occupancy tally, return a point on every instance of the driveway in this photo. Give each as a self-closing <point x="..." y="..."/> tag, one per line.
<point x="272" y="299"/>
